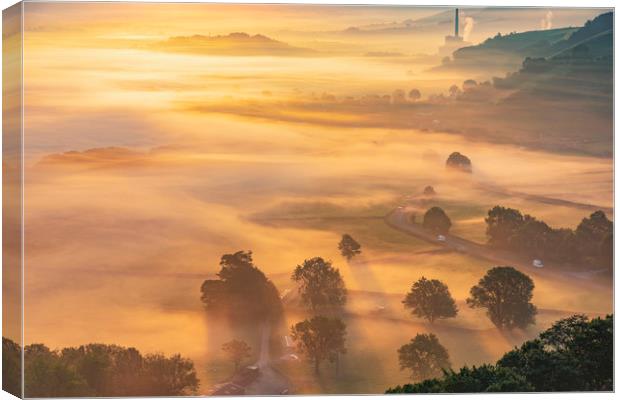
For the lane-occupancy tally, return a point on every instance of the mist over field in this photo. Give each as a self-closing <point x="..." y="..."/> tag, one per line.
<point x="160" y="137"/>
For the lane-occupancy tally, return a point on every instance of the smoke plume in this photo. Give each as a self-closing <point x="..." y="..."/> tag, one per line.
<point x="547" y="21"/>
<point x="468" y="28"/>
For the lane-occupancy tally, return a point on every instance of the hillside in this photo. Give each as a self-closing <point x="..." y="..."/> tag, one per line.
<point x="503" y="53"/>
<point x="233" y="44"/>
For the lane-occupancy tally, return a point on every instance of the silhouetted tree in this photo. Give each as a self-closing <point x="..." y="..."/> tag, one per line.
<point x="502" y="224"/>
<point x="430" y="299"/>
<point x="505" y="293"/>
<point x="429" y="191"/>
<point x="458" y="161"/>
<point x="99" y="370"/>
<point x="11" y="367"/>
<point x="436" y="220"/>
<point x="348" y="247"/>
<point x="320" y="284"/>
<point x="485" y="378"/>
<point x="414" y="95"/>
<point x="591" y="233"/>
<point x="242" y="291"/>
<point x="320" y="339"/>
<point x="237" y="351"/>
<point x="424" y="356"/>
<point x="573" y="355"/>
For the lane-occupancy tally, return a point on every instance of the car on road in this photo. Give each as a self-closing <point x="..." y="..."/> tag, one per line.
<point x="441" y="238"/>
<point x="537" y="263"/>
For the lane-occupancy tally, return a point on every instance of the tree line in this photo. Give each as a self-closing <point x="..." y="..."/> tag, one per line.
<point x="591" y="243"/>
<point x="575" y="354"/>
<point x="95" y="370"/>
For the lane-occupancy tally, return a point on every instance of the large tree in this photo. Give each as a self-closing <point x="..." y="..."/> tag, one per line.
<point x="436" y="220"/>
<point x="430" y="299"/>
<point x="320" y="284"/>
<point x="237" y="351"/>
<point x="424" y="357"/>
<point x="242" y="291"/>
<point x="502" y="224"/>
<point x="320" y="338"/>
<point x="505" y="293"/>
<point x="591" y="233"/>
<point x="349" y="247"/>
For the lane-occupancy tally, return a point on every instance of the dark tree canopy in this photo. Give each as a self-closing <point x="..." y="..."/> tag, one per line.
<point x="348" y="247"/>
<point x="320" y="338"/>
<point x="237" y="351"/>
<point x="429" y="191"/>
<point x="242" y="292"/>
<point x="573" y="355"/>
<point x="505" y="293"/>
<point x="424" y="357"/>
<point x="320" y="284"/>
<point x="11" y="367"/>
<point x="459" y="161"/>
<point x="430" y="299"/>
<point x="589" y="244"/>
<point x="436" y="220"/>
<point x="99" y="370"/>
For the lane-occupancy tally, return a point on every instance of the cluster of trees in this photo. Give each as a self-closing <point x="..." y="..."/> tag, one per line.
<point x="242" y="293"/>
<point x="96" y="370"/>
<point x="323" y="292"/>
<point x="591" y="243"/>
<point x="504" y="292"/>
<point x="575" y="354"/>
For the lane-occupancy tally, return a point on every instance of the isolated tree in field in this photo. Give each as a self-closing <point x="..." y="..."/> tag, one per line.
<point x="506" y="294"/>
<point x="430" y="299"/>
<point x="320" y="284"/>
<point x="320" y="339"/>
<point x="429" y="191"/>
<point x="424" y="356"/>
<point x="414" y="95"/>
<point x="242" y="292"/>
<point x="436" y="220"/>
<point x="348" y="247"/>
<point x="459" y="162"/>
<point x="237" y="351"/>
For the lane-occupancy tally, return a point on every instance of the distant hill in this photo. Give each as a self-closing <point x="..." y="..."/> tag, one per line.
<point x="503" y="53"/>
<point x="234" y="44"/>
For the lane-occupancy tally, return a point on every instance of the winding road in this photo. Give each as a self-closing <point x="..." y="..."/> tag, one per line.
<point x="399" y="219"/>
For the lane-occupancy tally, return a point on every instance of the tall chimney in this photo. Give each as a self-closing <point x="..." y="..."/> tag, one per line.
<point x="456" y="23"/>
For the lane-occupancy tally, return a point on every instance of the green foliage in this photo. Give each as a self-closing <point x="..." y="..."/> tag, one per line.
<point x="348" y="247"/>
<point x="590" y="243"/>
<point x="424" y="356"/>
<point x="573" y="355"/>
<point x="506" y="294"/>
<point x="430" y="299"/>
<point x="237" y="351"/>
<point x="320" y="338"/>
<point x="320" y="284"/>
<point x="11" y="367"/>
<point x="242" y="292"/>
<point x="436" y="220"/>
<point x="99" y="370"/>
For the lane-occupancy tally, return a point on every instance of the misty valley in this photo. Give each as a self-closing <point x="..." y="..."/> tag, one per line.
<point x="298" y="199"/>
